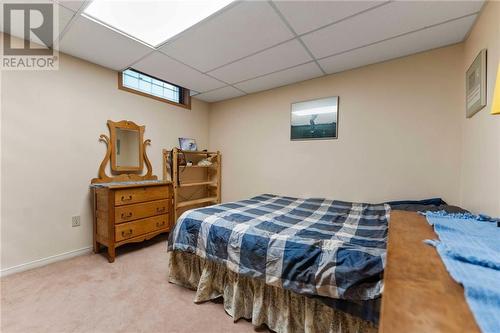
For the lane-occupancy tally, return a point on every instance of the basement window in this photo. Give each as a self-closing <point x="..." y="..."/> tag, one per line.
<point x="148" y="86"/>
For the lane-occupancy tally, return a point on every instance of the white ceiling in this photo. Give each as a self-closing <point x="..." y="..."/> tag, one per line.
<point x="251" y="46"/>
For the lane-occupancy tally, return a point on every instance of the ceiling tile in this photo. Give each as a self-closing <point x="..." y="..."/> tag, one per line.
<point x="277" y="58"/>
<point x="305" y="16"/>
<point x="96" y="43"/>
<point x="385" y="22"/>
<point x="245" y="28"/>
<point x="65" y="16"/>
<point x="291" y="75"/>
<point x="220" y="94"/>
<point x="72" y="4"/>
<point x="17" y="30"/>
<point x="168" y="69"/>
<point x="430" y="38"/>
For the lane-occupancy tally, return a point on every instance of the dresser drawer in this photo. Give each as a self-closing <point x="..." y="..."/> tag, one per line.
<point x="141" y="194"/>
<point x="140" y="227"/>
<point x="141" y="210"/>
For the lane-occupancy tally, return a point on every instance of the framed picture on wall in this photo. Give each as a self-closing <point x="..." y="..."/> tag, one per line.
<point x="315" y="119"/>
<point x="475" y="85"/>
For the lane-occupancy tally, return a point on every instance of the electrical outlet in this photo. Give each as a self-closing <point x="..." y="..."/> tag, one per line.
<point x="75" y="221"/>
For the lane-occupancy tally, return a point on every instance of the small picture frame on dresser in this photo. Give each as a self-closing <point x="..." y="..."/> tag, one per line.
<point x="188" y="144"/>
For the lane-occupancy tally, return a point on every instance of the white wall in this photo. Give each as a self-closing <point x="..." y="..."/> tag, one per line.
<point x="51" y="122"/>
<point x="480" y="179"/>
<point x="399" y="134"/>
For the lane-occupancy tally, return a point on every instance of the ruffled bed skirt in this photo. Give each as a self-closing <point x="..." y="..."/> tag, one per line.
<point x="281" y="310"/>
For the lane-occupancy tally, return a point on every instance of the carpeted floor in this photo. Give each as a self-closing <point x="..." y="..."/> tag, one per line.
<point x="87" y="294"/>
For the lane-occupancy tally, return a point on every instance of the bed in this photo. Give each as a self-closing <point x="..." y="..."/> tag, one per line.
<point x="296" y="265"/>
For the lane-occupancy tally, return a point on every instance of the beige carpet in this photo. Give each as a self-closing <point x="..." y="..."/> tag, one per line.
<point x="87" y="294"/>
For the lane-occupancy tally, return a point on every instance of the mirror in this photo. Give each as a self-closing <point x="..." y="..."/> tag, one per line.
<point x="314" y="119"/>
<point x="126" y="146"/>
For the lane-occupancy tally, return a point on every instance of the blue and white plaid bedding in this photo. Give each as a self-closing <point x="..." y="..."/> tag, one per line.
<point x="314" y="247"/>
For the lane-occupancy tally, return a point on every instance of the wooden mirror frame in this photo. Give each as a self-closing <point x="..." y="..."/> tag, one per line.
<point x="127" y="125"/>
<point x="122" y="175"/>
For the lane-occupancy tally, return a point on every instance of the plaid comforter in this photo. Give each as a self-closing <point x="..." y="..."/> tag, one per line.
<point x="313" y="247"/>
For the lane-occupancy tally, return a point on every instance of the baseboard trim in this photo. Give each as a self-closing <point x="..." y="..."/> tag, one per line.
<point x="45" y="261"/>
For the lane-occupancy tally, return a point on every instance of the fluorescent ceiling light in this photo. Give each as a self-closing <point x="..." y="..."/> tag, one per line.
<point x="317" y="110"/>
<point x="152" y="22"/>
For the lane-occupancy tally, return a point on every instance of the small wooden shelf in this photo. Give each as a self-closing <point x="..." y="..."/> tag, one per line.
<point x="195" y="166"/>
<point x="196" y="202"/>
<point x="194" y="185"/>
<point x="198" y="184"/>
<point x="198" y="152"/>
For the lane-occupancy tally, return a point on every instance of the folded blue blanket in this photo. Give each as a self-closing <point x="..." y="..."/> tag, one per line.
<point x="469" y="246"/>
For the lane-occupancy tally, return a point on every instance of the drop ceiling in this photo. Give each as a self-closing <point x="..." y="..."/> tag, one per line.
<point x="250" y="46"/>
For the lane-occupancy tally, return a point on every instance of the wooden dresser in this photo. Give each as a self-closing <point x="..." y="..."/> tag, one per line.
<point x="130" y="213"/>
<point x="128" y="206"/>
<point x="419" y="294"/>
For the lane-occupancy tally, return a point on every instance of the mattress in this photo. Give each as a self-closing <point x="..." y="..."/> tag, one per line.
<point x="314" y="247"/>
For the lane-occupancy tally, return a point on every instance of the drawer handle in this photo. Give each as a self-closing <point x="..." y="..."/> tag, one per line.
<point x="158" y="224"/>
<point x="160" y="210"/>
<point x="126" y="216"/>
<point x="127" y="233"/>
<point x="124" y="198"/>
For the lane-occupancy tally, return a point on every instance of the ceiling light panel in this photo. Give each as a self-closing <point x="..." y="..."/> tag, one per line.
<point x="153" y="22"/>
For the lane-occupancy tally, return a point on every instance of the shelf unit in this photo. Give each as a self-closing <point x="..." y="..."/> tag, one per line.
<point x="194" y="186"/>
<point x="209" y="183"/>
<point x="196" y="202"/>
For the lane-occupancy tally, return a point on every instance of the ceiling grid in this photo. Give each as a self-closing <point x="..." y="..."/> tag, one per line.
<point x="250" y="46"/>
<point x="296" y="36"/>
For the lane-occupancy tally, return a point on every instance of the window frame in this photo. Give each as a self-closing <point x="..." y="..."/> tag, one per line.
<point x="184" y="93"/>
